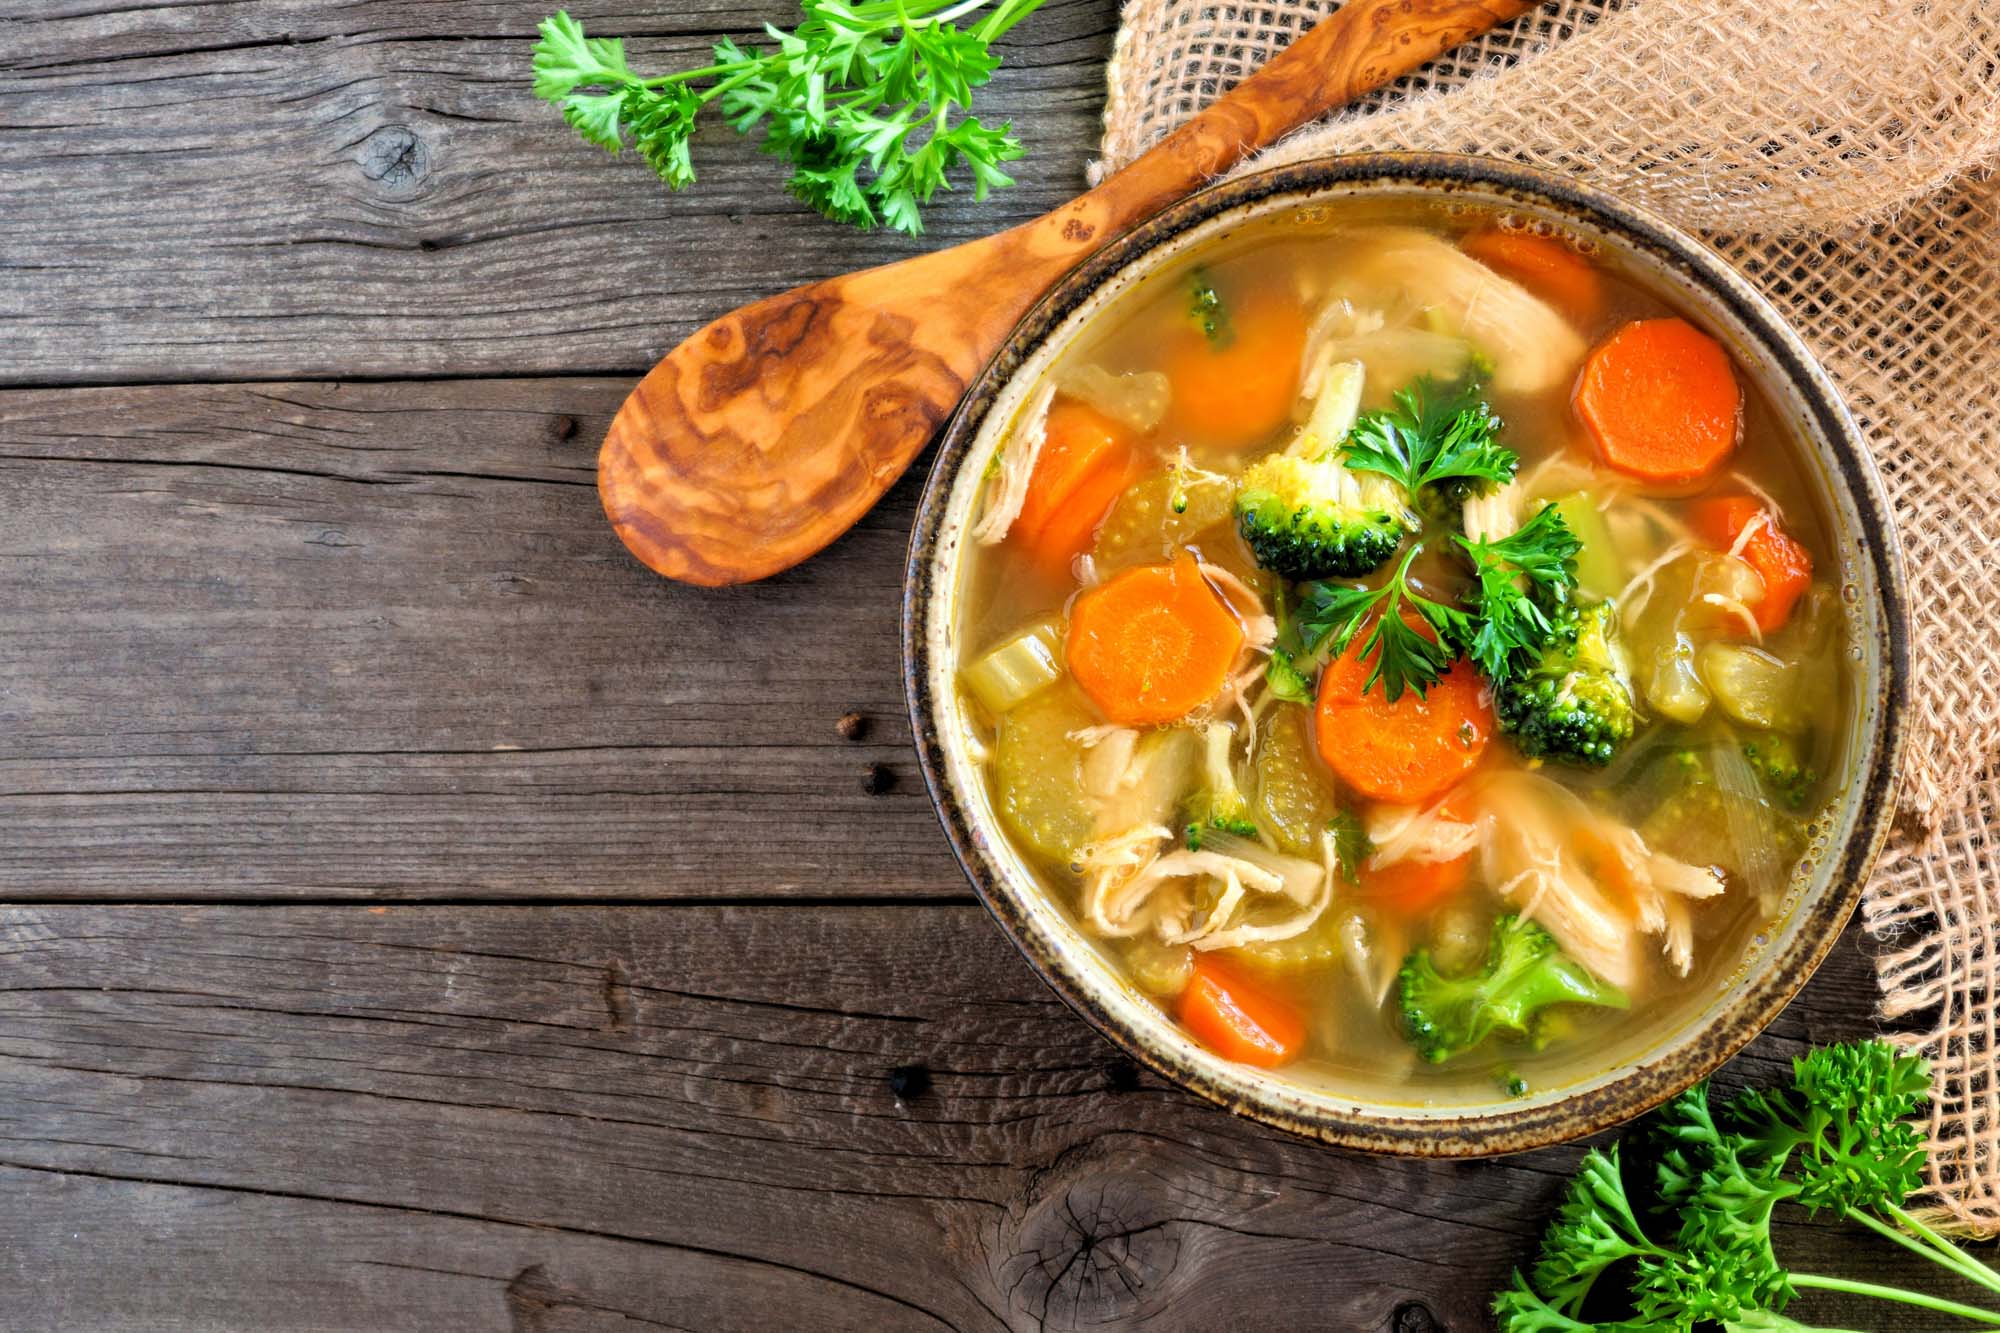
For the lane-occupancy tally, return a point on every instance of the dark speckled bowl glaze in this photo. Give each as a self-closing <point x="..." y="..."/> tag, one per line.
<point x="1837" y="466"/>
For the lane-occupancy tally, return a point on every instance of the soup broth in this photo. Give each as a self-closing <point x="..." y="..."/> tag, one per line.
<point x="1407" y="646"/>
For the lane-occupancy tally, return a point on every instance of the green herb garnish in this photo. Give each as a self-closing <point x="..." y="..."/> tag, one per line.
<point x="1511" y="619"/>
<point x="1434" y="433"/>
<point x="1679" y="1234"/>
<point x="1404" y="656"/>
<point x="861" y="98"/>
<point x="1351" y="844"/>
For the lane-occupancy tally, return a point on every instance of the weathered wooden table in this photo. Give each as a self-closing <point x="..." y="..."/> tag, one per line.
<point x="422" y="916"/>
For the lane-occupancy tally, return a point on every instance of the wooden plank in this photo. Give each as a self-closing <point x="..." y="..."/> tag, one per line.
<point x="231" y="191"/>
<point x="310" y="639"/>
<point x="422" y="1117"/>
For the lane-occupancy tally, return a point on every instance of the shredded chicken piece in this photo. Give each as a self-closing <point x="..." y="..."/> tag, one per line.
<point x="1730" y="606"/>
<point x="1494" y="515"/>
<point x="1537" y="480"/>
<point x="1532" y="346"/>
<point x="1414" y="833"/>
<point x="1336" y="319"/>
<point x="1235" y="937"/>
<point x="1115" y="882"/>
<point x="1085" y="568"/>
<point x="1260" y="630"/>
<point x="1758" y="522"/>
<point x="1107" y="760"/>
<point x="1638" y="590"/>
<point x="1652" y="512"/>
<point x="1770" y="504"/>
<point x="1586" y="877"/>
<point x="1677" y="938"/>
<point x="1018" y="453"/>
<point x="1236" y="694"/>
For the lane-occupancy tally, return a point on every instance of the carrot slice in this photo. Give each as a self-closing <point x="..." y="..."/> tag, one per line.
<point x="1418" y="886"/>
<point x="1408" y="751"/>
<point x="1239" y="388"/>
<point x="1085" y="462"/>
<point x="1785" y="566"/>
<point x="1544" y="266"/>
<point x="1661" y="402"/>
<point x="1072" y="529"/>
<point x="1237" y="1019"/>
<point x="1152" y="644"/>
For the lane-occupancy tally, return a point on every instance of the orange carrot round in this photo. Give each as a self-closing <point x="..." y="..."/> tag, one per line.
<point x="1240" y="387"/>
<point x="1418" y="886"/>
<point x="1661" y="402"/>
<point x="1085" y="463"/>
<point x="1238" y="1019"/>
<point x="1408" y="751"/>
<point x="1544" y="265"/>
<point x="1152" y="644"/>
<point x="1785" y="566"/>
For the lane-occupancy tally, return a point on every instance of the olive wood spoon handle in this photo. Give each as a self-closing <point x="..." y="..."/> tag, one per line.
<point x="770" y="432"/>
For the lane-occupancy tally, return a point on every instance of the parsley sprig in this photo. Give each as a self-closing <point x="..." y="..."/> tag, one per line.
<point x="1405" y="656"/>
<point x="862" y="98"/>
<point x="1511" y="620"/>
<point x="1434" y="433"/>
<point x="1685" y="1239"/>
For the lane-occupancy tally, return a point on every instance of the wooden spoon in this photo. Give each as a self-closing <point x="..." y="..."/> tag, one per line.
<point x="767" y="434"/>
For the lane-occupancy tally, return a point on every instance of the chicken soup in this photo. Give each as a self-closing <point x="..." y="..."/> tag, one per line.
<point x="1403" y="643"/>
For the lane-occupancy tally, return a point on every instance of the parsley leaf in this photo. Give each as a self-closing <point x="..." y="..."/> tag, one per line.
<point x="1351" y="844"/>
<point x="1702" y="1255"/>
<point x="1405" y="656"/>
<point x="865" y="99"/>
<point x="1434" y="433"/>
<point x="1508" y="617"/>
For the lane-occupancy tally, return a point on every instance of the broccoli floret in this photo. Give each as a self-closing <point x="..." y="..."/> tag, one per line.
<point x="1573" y="701"/>
<point x="1314" y="519"/>
<point x="1525" y="973"/>
<point x="1778" y="762"/>
<point x="1220" y="803"/>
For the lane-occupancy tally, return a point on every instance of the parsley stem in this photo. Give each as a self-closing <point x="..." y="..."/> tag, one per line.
<point x="1948" y="1256"/>
<point x="1813" y="1281"/>
<point x="1968" y="1267"/>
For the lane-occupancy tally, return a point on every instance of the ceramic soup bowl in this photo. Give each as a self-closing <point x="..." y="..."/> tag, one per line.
<point x="1684" y="1045"/>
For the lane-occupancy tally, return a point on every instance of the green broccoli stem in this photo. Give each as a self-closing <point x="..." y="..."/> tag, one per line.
<point x="1846" y="1286"/>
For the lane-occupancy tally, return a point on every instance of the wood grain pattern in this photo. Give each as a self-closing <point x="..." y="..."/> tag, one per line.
<point x="541" y="1119"/>
<point x="217" y="190"/>
<point x="765" y="436"/>
<point x="294" y="640"/>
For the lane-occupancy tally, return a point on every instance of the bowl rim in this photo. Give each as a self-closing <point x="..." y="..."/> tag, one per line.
<point x="1816" y="923"/>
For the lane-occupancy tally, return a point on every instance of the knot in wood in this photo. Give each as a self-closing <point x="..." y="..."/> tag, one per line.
<point x="1094" y="1251"/>
<point x="1414" y="1317"/>
<point x="395" y="159"/>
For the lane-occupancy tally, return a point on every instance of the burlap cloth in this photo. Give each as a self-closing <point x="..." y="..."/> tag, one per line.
<point x="1840" y="152"/>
